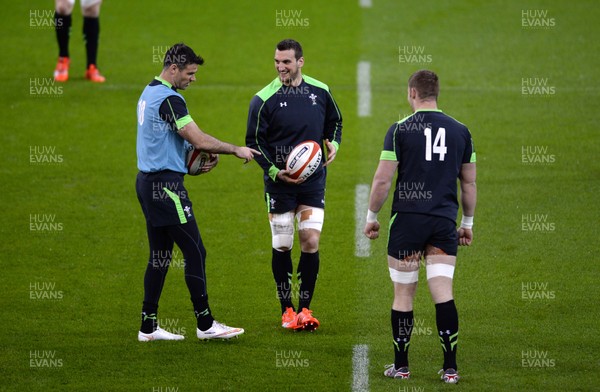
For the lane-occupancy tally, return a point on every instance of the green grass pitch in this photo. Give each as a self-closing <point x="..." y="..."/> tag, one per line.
<point x="522" y="75"/>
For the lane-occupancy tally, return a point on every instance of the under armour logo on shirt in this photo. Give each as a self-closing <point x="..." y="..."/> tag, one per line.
<point x="282" y="104"/>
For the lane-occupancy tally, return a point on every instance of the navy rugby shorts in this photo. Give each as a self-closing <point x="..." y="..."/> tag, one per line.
<point x="411" y="233"/>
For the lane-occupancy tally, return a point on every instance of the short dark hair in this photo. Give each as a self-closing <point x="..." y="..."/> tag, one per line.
<point x="294" y="45"/>
<point x="181" y="55"/>
<point x="426" y="83"/>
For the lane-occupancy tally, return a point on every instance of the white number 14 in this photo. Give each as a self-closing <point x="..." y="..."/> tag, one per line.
<point x="439" y="144"/>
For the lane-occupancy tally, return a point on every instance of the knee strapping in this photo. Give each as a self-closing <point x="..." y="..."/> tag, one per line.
<point x="440" y="269"/>
<point x="282" y="231"/>
<point x="311" y="218"/>
<point x="403" y="277"/>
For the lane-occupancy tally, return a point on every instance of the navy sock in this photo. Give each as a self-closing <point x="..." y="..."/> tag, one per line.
<point x="62" y="25"/>
<point x="308" y="270"/>
<point x="281" y="264"/>
<point x="91" y="34"/>
<point x="149" y="318"/>
<point x="402" y="325"/>
<point x="204" y="317"/>
<point x="446" y="318"/>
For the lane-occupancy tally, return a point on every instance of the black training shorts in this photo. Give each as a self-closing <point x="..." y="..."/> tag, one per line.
<point x="411" y="233"/>
<point x="279" y="203"/>
<point x="163" y="198"/>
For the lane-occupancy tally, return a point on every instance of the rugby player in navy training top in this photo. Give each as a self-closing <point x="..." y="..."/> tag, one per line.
<point x="294" y="108"/>
<point x="429" y="150"/>
<point x="165" y="131"/>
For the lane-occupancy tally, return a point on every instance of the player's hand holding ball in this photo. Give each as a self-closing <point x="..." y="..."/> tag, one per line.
<point x="210" y="164"/>
<point x="287" y="177"/>
<point x="302" y="162"/>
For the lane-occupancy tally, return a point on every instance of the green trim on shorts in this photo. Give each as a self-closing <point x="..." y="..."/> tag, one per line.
<point x="175" y="198"/>
<point x="268" y="202"/>
<point x="390" y="227"/>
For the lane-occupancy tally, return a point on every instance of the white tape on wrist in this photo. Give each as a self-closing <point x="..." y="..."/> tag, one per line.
<point x="466" y="222"/>
<point x="371" y="216"/>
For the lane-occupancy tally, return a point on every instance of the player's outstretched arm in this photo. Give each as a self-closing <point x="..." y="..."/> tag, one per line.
<point x="468" y="200"/>
<point x="382" y="182"/>
<point x="203" y="141"/>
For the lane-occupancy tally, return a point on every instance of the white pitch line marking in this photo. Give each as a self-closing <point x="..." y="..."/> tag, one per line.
<point x="363" y="85"/>
<point x="366" y="3"/>
<point x="360" y="368"/>
<point x="362" y="245"/>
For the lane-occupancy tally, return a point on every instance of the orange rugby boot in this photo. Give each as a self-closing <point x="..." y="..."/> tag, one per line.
<point x="61" y="72"/>
<point x="306" y="320"/>
<point x="94" y="75"/>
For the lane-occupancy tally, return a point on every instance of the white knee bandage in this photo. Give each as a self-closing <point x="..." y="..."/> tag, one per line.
<point x="403" y="277"/>
<point x="282" y="230"/>
<point x="87" y="3"/>
<point x="311" y="218"/>
<point x="440" y="269"/>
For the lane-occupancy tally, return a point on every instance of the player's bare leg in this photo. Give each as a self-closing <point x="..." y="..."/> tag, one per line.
<point x="440" y="273"/>
<point x="310" y="223"/>
<point x="404" y="274"/>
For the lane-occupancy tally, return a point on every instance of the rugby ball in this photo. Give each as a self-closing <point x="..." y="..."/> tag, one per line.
<point x="304" y="160"/>
<point x="195" y="160"/>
